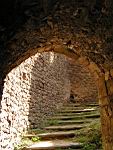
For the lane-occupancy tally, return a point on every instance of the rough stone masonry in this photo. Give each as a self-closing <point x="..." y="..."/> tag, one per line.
<point x="34" y="90"/>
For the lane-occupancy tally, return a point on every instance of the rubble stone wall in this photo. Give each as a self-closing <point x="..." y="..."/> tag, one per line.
<point x="83" y="85"/>
<point x="32" y="92"/>
<point x="36" y="88"/>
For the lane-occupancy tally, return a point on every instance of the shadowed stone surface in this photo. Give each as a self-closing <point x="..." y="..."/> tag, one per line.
<point x="74" y="28"/>
<point x="64" y="127"/>
<point x="83" y="27"/>
<point x="76" y="117"/>
<point x="53" y="135"/>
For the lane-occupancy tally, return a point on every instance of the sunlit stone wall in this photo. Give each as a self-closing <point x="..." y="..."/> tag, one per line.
<point x="83" y="85"/>
<point x="36" y="88"/>
<point x="32" y="92"/>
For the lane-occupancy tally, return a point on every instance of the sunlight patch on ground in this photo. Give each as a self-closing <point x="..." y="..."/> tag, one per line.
<point x="42" y="144"/>
<point x="89" y="109"/>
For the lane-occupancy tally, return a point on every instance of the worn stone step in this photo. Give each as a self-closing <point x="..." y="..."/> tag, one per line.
<point x="75" y="117"/>
<point x="73" y="121"/>
<point x="81" y="105"/>
<point x="52" y="135"/>
<point x="64" y="127"/>
<point x="76" y="114"/>
<point x="55" y="144"/>
<point x="78" y="110"/>
<point x="71" y="111"/>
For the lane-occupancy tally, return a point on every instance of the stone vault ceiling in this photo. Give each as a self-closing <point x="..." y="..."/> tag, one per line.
<point x="83" y="27"/>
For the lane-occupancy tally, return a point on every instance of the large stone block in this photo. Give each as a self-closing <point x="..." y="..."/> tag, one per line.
<point x="109" y="84"/>
<point x="111" y="72"/>
<point x="107" y="75"/>
<point x="102" y="91"/>
<point x="83" y="61"/>
<point x="94" y="68"/>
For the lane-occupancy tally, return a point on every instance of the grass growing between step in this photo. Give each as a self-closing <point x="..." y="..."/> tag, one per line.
<point x="26" y="142"/>
<point x="90" y="137"/>
<point x="52" y="122"/>
<point x="29" y="141"/>
<point x="78" y="113"/>
<point x="35" y="131"/>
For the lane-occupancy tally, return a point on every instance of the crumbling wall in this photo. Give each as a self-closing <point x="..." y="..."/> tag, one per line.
<point x="35" y="89"/>
<point x="83" y="85"/>
<point x="32" y="92"/>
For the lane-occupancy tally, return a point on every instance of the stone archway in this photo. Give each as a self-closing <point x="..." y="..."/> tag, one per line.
<point x="104" y="84"/>
<point x="75" y="33"/>
<point x="21" y="81"/>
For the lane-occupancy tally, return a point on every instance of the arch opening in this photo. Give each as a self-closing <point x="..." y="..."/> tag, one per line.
<point x="82" y="29"/>
<point x="36" y="88"/>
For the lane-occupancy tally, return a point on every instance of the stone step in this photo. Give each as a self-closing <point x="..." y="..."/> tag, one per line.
<point x="81" y="105"/>
<point x="52" y="135"/>
<point x="75" y="114"/>
<point x="64" y="127"/>
<point x="78" y="110"/>
<point x="73" y="121"/>
<point x="69" y="119"/>
<point x="52" y="145"/>
<point x="75" y="117"/>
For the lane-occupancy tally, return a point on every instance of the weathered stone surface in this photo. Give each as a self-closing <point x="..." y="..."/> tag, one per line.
<point x="109" y="84"/>
<point x="84" y="27"/>
<point x="86" y="34"/>
<point x="53" y="135"/>
<point x="36" y="88"/>
<point x="56" y="136"/>
<point x="94" y="68"/>
<point x="83" y="85"/>
<point x="46" y="145"/>
<point x="32" y="91"/>
<point x="83" y="61"/>
<point x="63" y="117"/>
<point x="107" y="75"/>
<point x="102" y="88"/>
<point x="64" y="127"/>
<point x="111" y="72"/>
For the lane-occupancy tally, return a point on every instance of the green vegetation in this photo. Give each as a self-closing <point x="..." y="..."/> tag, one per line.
<point x="35" y="139"/>
<point x="52" y="122"/>
<point x="24" y="142"/>
<point x="35" y="131"/>
<point x="90" y="137"/>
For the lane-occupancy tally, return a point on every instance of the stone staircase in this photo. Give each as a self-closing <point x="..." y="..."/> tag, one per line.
<point x="63" y="127"/>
